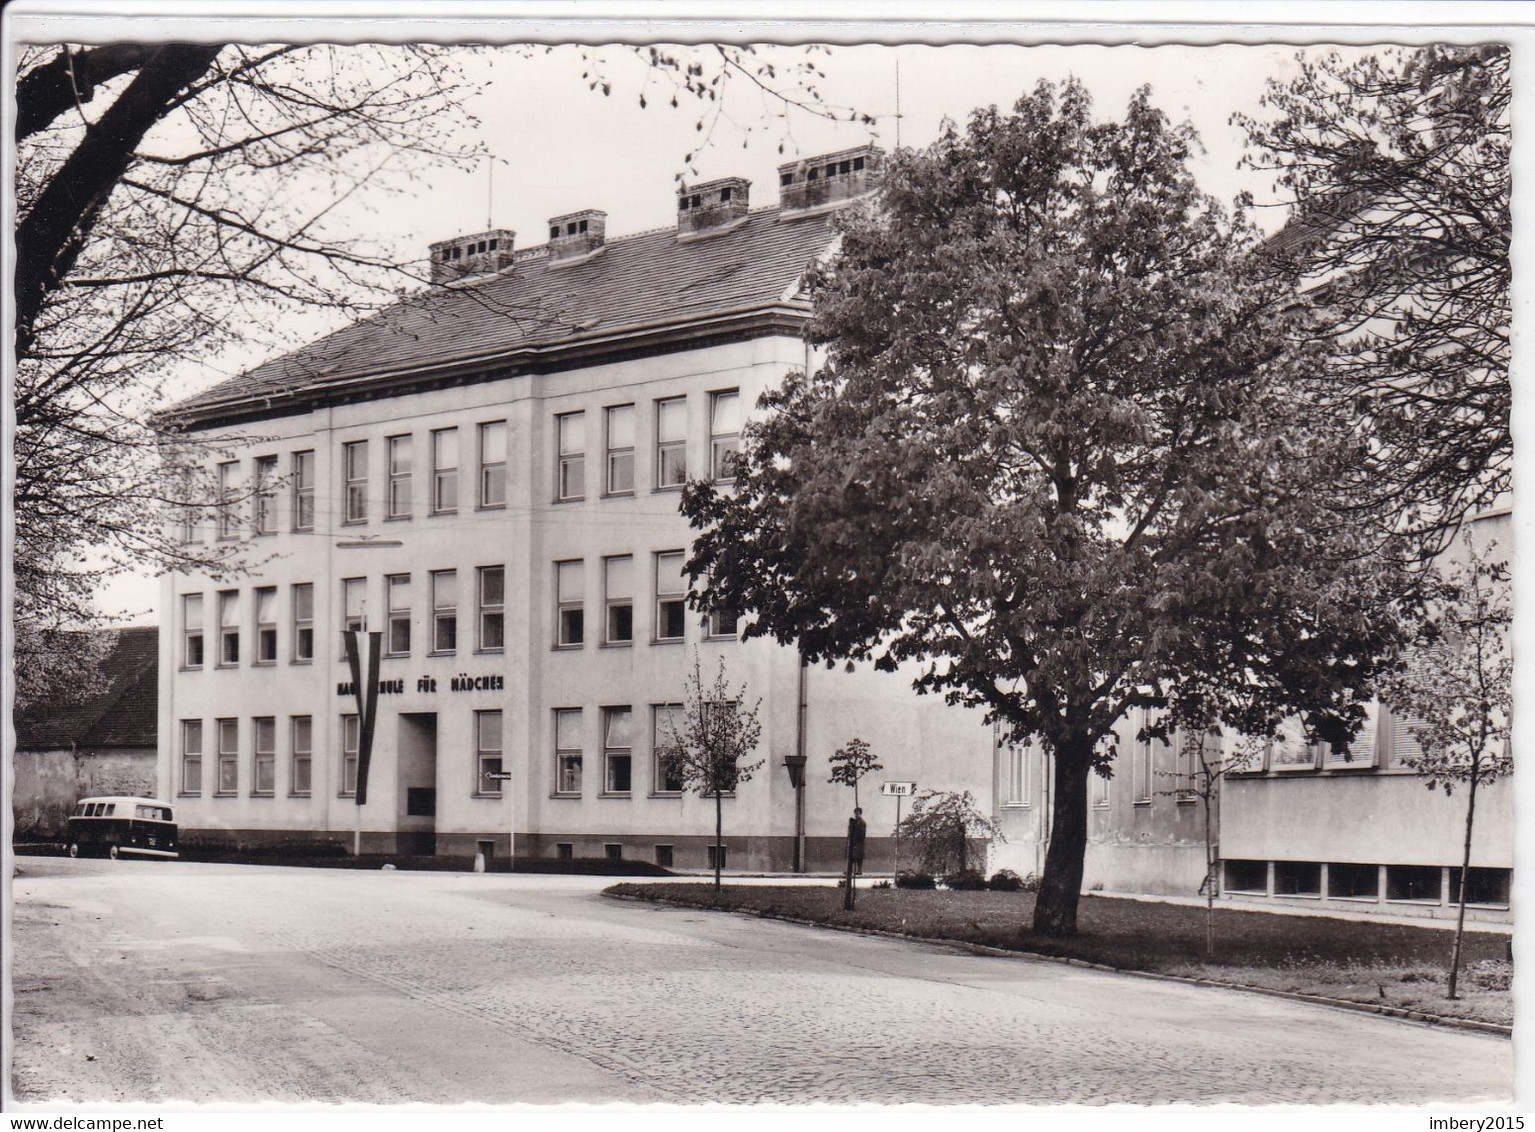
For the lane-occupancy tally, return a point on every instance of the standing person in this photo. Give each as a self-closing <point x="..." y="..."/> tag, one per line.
<point x="856" y="830"/>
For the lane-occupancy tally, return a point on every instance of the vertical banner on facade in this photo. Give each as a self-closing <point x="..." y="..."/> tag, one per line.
<point x="370" y="714"/>
<point x="365" y="689"/>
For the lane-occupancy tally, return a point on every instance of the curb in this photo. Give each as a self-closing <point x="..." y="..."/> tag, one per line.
<point x="1400" y="1012"/>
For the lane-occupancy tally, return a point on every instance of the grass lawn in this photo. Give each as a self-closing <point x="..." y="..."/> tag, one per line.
<point x="1386" y="964"/>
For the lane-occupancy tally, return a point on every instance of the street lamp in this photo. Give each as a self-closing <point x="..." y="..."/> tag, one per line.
<point x="795" y="765"/>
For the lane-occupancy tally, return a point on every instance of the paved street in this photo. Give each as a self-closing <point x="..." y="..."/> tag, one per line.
<point x="154" y="981"/>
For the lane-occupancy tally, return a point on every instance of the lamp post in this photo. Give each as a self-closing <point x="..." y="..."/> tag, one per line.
<point x="795" y="765"/>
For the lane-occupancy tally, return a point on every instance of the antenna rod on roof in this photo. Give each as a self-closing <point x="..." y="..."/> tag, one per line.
<point x="490" y="188"/>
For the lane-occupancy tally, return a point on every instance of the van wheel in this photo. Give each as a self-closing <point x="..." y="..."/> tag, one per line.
<point x="74" y="848"/>
<point x="112" y="851"/>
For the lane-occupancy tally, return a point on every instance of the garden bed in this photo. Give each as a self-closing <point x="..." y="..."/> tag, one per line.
<point x="1395" y="966"/>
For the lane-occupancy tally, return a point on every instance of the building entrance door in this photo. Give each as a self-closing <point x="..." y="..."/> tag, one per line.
<point x="417" y="784"/>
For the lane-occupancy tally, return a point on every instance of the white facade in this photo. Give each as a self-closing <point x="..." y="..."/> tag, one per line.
<point x="508" y="695"/>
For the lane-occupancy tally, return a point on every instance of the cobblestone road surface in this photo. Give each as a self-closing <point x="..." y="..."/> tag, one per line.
<point x="152" y="981"/>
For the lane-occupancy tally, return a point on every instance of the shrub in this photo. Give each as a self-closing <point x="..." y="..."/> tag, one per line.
<point x="967" y="881"/>
<point x="941" y="827"/>
<point x="915" y="880"/>
<point x="1005" y="880"/>
<point x="1492" y="974"/>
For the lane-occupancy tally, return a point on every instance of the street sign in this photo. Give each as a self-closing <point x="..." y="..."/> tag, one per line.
<point x="499" y="775"/>
<point x="898" y="789"/>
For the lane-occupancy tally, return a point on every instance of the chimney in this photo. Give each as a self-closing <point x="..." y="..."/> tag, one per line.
<point x="576" y="235"/>
<point x="815" y="184"/>
<point x="715" y="206"/>
<point x="484" y="253"/>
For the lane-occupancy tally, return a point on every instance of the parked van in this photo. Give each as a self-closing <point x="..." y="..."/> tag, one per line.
<point x="119" y="826"/>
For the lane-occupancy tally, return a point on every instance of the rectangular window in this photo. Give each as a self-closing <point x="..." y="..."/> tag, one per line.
<point x="191" y="630"/>
<point x="303" y="622"/>
<point x="266" y="625"/>
<point x="191" y="756"/>
<point x="1290" y="750"/>
<point x="1099" y="791"/>
<point x="671" y="596"/>
<point x="397" y="592"/>
<point x="303" y="755"/>
<point x="564" y="850"/>
<point x="618" y="595"/>
<point x="492" y="599"/>
<point x="1353" y="882"/>
<point x="570" y="586"/>
<point x="354" y="604"/>
<point x="1018" y="758"/>
<point x="672" y="442"/>
<point x="617" y="749"/>
<point x="444" y="471"/>
<point x="613" y="851"/>
<point x="399" y="477"/>
<point x="620" y="462"/>
<point x="264" y="765"/>
<point x="1142" y="780"/>
<point x="1194" y="746"/>
<point x="570" y="480"/>
<point x="229" y="507"/>
<point x="229" y="756"/>
<point x="493" y="464"/>
<point x="724" y="434"/>
<point x="444" y="611"/>
<point x="1246" y="876"/>
<point x="1422" y="883"/>
<point x="718" y="856"/>
<point x="1483" y="886"/>
<point x="1360" y="754"/>
<point x="266" y="495"/>
<point x="303" y="491"/>
<point x="1297" y="878"/>
<point x="567" y="751"/>
<point x="351" y="740"/>
<point x="1401" y="739"/>
<point x="666" y="728"/>
<point x="723" y="622"/>
<point x="487" y="730"/>
<point x="354" y="466"/>
<point x="664" y="856"/>
<point x="229" y="628"/>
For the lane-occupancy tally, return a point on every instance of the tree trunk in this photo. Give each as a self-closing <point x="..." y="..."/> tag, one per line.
<point x="719" y="846"/>
<point x="49" y="238"/>
<point x="1055" y="907"/>
<point x="1209" y="883"/>
<point x="1465" y="867"/>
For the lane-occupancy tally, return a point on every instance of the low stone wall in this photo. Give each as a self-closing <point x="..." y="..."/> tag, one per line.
<point x="49" y="783"/>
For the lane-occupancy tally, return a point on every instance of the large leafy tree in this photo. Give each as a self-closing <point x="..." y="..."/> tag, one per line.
<point x="1396" y="166"/>
<point x="1053" y="456"/>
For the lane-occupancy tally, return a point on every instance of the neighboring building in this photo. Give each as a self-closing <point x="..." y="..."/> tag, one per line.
<point x="488" y="473"/>
<point x="104" y="743"/>
<point x="1303" y="826"/>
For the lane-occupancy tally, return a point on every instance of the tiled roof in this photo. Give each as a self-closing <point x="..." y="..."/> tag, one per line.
<point x="123" y="714"/>
<point x="648" y="280"/>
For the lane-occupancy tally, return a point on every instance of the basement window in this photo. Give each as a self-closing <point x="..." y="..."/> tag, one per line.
<point x="1297" y="878"/>
<point x="564" y="850"/>
<point x="1483" y="886"/>
<point x="664" y="856"/>
<point x="1353" y="882"/>
<point x="1422" y="883"/>
<point x="613" y="851"/>
<point x="1247" y="876"/>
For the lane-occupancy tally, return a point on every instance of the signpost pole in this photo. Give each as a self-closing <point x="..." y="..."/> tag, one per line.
<point x="896" y="871"/>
